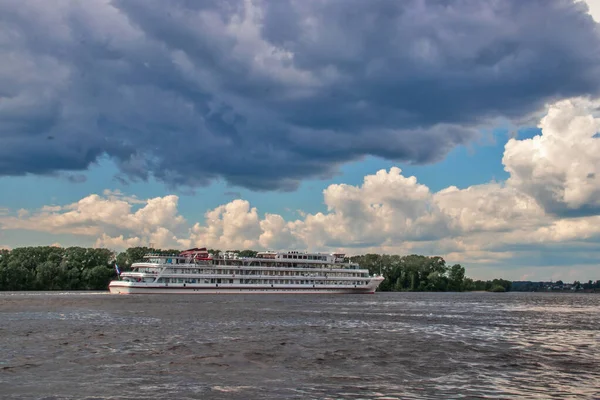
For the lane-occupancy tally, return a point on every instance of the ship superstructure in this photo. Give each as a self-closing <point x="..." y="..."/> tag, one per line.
<point x="197" y="271"/>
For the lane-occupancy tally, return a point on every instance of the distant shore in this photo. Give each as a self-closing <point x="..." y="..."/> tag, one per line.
<point x="50" y="268"/>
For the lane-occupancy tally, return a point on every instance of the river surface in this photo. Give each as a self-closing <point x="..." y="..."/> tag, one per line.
<point x="382" y="346"/>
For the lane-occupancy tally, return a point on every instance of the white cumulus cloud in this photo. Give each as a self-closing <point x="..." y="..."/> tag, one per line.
<point x="100" y="216"/>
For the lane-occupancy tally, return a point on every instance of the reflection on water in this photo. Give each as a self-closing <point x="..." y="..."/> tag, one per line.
<point x="383" y="346"/>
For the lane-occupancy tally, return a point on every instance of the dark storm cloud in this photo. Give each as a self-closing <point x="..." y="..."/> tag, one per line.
<point x="76" y="178"/>
<point x="265" y="94"/>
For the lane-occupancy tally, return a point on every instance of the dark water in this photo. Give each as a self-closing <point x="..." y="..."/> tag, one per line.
<point x="382" y="346"/>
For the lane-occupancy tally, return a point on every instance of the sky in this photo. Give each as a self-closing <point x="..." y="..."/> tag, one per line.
<point x="468" y="130"/>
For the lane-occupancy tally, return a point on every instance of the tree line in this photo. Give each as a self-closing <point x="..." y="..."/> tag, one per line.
<point x="529" y="286"/>
<point x="71" y="268"/>
<point x="423" y="273"/>
<point x="79" y="268"/>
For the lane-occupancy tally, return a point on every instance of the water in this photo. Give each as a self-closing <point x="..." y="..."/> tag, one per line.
<point x="382" y="346"/>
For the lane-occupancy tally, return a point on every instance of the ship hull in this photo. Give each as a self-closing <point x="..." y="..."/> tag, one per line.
<point x="120" y="287"/>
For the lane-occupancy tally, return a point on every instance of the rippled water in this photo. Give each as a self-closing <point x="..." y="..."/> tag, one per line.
<point x="382" y="346"/>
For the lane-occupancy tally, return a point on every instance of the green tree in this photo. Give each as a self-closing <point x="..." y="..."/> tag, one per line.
<point x="456" y="277"/>
<point x="468" y="284"/>
<point x="49" y="276"/>
<point x="247" y="253"/>
<point x="133" y="255"/>
<point x="4" y="257"/>
<point x="18" y="277"/>
<point x="436" y="282"/>
<point x="98" y="277"/>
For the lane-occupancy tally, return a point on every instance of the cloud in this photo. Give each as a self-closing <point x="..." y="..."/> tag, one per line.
<point x="560" y="167"/>
<point x="491" y="207"/>
<point x="97" y="216"/>
<point x="386" y="209"/>
<point x="534" y="218"/>
<point x="49" y="209"/>
<point x="76" y="178"/>
<point x="264" y="94"/>
<point x="276" y="233"/>
<point x="593" y="8"/>
<point x="234" y="225"/>
<point x="118" y="195"/>
<point x="118" y="242"/>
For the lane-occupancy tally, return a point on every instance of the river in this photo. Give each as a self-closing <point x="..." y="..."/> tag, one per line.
<point x="382" y="346"/>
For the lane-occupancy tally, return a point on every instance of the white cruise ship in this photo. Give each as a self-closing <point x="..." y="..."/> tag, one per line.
<point x="195" y="271"/>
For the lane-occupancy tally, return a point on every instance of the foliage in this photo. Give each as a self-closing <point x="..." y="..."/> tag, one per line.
<point x="72" y="268"/>
<point x="136" y="254"/>
<point x="56" y="268"/>
<point x="246" y="253"/>
<point x="528" y="286"/>
<point x="422" y="273"/>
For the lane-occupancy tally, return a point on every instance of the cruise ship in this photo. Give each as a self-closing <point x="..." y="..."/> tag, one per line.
<point x="195" y="271"/>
